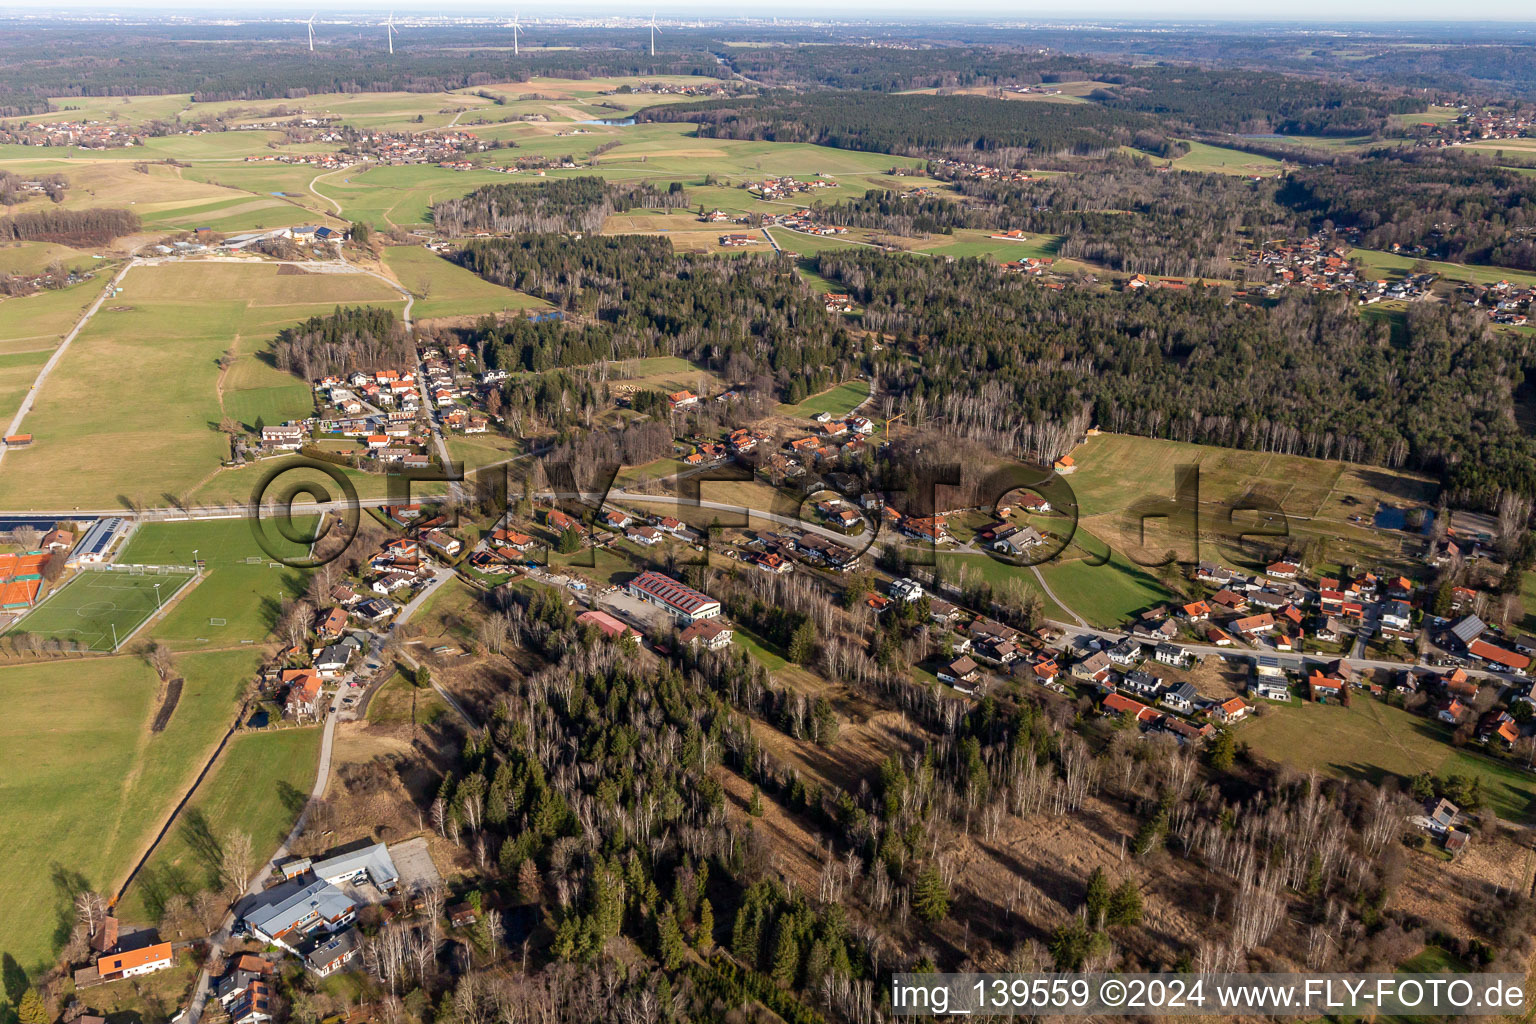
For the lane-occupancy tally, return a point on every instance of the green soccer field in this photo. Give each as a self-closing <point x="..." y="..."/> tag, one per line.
<point x="97" y="606"/>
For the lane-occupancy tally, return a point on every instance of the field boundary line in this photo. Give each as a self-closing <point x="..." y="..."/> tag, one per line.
<point x="154" y="844"/>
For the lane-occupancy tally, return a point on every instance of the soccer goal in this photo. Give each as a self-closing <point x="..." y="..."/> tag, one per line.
<point x="135" y="570"/>
<point x="216" y="622"/>
<point x="252" y="559"/>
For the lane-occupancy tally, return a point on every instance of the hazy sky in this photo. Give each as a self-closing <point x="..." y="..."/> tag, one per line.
<point x="1381" y="12"/>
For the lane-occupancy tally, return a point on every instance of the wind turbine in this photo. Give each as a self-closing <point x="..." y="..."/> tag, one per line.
<point x="654" y="30"/>
<point x="516" y="29"/>
<point x="311" y="25"/>
<point x="389" y="29"/>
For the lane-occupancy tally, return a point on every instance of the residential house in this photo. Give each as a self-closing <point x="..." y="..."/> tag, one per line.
<point x="1500" y="726"/>
<point x="646" y="535"/>
<point x="1452" y="711"/>
<point x="135" y="962"/>
<point x="1119" y="704"/>
<point x="1181" y="697"/>
<point x="961" y="670"/>
<point x="1125" y="653"/>
<point x="333" y="622"/>
<point x="1254" y="625"/>
<point x="303" y="698"/>
<point x="1234" y="710"/>
<point x="1228" y="600"/>
<point x="1142" y="682"/>
<point x="1325" y="689"/>
<point x="1396" y="615"/>
<point x="332" y="661"/>
<point x="331" y="953"/>
<point x="711" y="634"/>
<point x="1094" y="668"/>
<point x="1270" y="689"/>
<point x="1170" y="654"/>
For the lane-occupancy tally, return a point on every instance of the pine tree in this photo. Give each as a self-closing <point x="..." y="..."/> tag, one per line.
<point x="31" y="1009"/>
<point x="1443" y="597"/>
<point x="1125" y="904"/>
<point x="755" y="805"/>
<point x="930" y="897"/>
<point x="1098" y="897"/>
<point x="1222" y="752"/>
<point x="703" y="932"/>
<point x="802" y="645"/>
<point x="670" y="947"/>
<point x="786" y="952"/>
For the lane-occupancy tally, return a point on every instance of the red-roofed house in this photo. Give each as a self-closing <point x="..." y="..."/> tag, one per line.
<point x="1234" y="710"/>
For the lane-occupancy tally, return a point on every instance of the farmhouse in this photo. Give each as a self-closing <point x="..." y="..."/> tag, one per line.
<point x="284" y="437"/>
<point x="681" y="601"/>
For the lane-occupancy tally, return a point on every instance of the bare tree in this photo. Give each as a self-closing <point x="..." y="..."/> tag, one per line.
<point x="236" y="862"/>
<point x="493" y="931"/>
<point x="160" y="658"/>
<point x="90" y="910"/>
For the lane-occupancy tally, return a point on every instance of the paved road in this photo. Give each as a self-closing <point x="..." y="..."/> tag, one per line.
<point x="317" y="792"/>
<point x="58" y="353"/>
<point x="1288" y="659"/>
<point x="724" y="506"/>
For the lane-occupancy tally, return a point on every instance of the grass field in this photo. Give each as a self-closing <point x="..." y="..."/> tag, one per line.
<point x="1392" y="265"/>
<point x="131" y="412"/>
<point x="85" y="789"/>
<point x="1105" y="594"/>
<point x="99" y="609"/>
<point x="447" y="289"/>
<point x="258" y="788"/>
<point x="981" y="244"/>
<point x="1371" y="740"/>
<point x="999" y="575"/>
<point x="246" y="595"/>
<point x="399" y="699"/>
<point x="1220" y="160"/>
<point x="839" y="401"/>
<point x="31" y="327"/>
<point x="1318" y="497"/>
